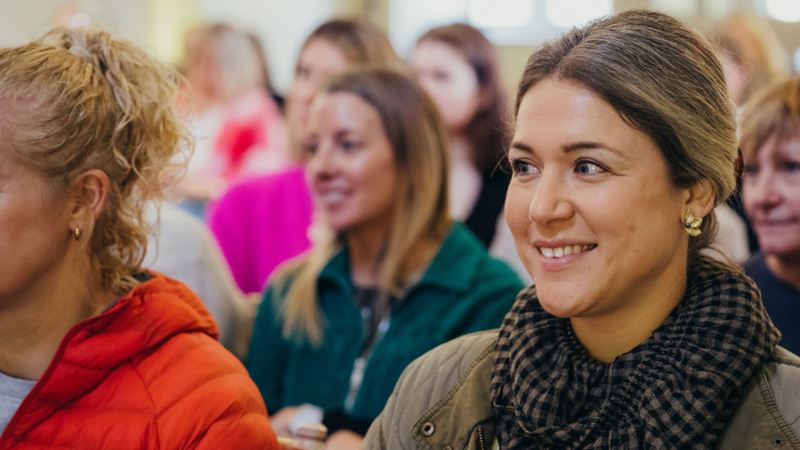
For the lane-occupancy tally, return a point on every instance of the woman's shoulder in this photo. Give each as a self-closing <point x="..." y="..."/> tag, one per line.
<point x="769" y="413"/>
<point x="466" y="255"/>
<point x="192" y="375"/>
<point x="433" y="389"/>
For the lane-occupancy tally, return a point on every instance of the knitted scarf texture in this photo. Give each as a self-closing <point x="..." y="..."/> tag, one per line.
<point x="677" y="389"/>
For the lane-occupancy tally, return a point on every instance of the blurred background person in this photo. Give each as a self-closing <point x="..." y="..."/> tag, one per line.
<point x="265" y="221"/>
<point x="181" y="246"/>
<point x="394" y="279"/>
<point x="458" y="68"/>
<point x="95" y="351"/>
<point x="770" y="140"/>
<point x="238" y="128"/>
<point x="750" y="53"/>
<point x="752" y="57"/>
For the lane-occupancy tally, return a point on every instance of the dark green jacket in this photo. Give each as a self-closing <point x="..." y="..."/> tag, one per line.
<point x="463" y="290"/>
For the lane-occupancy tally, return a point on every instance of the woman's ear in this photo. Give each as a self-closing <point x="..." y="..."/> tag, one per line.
<point x="89" y="197"/>
<point x="700" y="198"/>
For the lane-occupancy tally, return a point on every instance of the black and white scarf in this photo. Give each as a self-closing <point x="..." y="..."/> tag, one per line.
<point x="677" y="389"/>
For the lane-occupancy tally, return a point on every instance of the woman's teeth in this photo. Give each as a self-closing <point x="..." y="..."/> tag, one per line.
<point x="560" y="252"/>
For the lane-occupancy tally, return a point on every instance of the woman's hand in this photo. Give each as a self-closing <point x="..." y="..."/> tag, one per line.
<point x="282" y="420"/>
<point x="344" y="440"/>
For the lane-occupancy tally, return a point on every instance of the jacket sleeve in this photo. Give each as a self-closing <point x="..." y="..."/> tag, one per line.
<point x="387" y="423"/>
<point x="267" y="358"/>
<point x="426" y="384"/>
<point x="202" y="397"/>
<point x="241" y="433"/>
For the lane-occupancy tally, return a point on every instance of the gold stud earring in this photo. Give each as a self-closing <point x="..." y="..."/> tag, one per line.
<point x="77" y="233"/>
<point x="692" y="224"/>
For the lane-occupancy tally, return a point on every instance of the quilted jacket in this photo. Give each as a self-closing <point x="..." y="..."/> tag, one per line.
<point x="147" y="373"/>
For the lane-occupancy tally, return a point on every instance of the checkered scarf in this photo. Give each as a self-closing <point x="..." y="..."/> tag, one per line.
<point x="677" y="389"/>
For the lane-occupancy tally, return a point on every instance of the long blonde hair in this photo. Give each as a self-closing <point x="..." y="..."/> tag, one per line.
<point x="420" y="214"/>
<point x="77" y="100"/>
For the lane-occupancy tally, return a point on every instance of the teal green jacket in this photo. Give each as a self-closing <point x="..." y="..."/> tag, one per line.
<point x="463" y="290"/>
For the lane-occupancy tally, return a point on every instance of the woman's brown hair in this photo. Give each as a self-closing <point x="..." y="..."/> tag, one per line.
<point x="487" y="130"/>
<point x="77" y="100"/>
<point x="359" y="40"/>
<point x="664" y="80"/>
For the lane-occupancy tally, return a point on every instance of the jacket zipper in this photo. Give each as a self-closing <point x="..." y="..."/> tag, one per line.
<point x="481" y="442"/>
<point x="360" y="366"/>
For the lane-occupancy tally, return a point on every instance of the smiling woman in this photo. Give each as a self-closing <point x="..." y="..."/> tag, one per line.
<point x="396" y="277"/>
<point x="771" y="147"/>
<point x="631" y="337"/>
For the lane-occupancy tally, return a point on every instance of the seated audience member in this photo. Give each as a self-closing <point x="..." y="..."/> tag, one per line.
<point x="458" y="68"/>
<point x="752" y="57"/>
<point x="395" y="278"/>
<point x="631" y="338"/>
<point x="770" y="141"/>
<point x="181" y="247"/>
<point x="265" y="221"/>
<point x="238" y="128"/>
<point x="96" y="352"/>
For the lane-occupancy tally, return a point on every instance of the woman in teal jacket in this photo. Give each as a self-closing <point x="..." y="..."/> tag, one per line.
<point x="395" y="278"/>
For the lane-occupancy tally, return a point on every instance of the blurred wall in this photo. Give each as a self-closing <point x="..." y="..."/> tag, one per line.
<point x="161" y="25"/>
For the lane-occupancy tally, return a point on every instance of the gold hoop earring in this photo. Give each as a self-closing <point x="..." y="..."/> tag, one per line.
<point x="77" y="233"/>
<point x="692" y="224"/>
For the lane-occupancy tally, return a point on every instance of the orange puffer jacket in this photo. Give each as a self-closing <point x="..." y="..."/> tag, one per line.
<point x="146" y="374"/>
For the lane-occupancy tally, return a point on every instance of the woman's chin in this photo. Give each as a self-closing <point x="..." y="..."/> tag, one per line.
<point x="562" y="309"/>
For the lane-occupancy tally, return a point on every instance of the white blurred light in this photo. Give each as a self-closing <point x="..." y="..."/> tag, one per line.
<point x="797" y="60"/>
<point x="681" y="8"/>
<point x="79" y="20"/>
<point x="569" y="13"/>
<point x="500" y="13"/>
<point x="784" y="10"/>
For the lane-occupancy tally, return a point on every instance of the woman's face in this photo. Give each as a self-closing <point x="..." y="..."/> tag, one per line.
<point x="34" y="231"/>
<point x="318" y="61"/>
<point x="772" y="196"/>
<point x="450" y="81"/>
<point x="351" y="163"/>
<point x="594" y="215"/>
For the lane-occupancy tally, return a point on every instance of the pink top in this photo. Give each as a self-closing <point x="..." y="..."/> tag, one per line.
<point x="262" y="222"/>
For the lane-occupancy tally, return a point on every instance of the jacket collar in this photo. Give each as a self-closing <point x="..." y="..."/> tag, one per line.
<point x="453" y="267"/>
<point x="148" y="315"/>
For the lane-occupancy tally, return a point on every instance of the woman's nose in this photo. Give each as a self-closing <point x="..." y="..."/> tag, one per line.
<point x="550" y="201"/>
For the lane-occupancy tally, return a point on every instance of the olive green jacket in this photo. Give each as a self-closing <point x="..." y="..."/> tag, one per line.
<point x="442" y="401"/>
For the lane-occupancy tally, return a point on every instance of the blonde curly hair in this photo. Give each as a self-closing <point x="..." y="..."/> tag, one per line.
<point x="77" y="100"/>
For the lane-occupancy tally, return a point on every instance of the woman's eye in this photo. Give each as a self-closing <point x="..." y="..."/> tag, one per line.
<point x="588" y="168"/>
<point x="350" y="145"/>
<point x="523" y="168"/>
<point x="750" y="169"/>
<point x="302" y="73"/>
<point x="791" y="166"/>
<point x="309" y="148"/>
